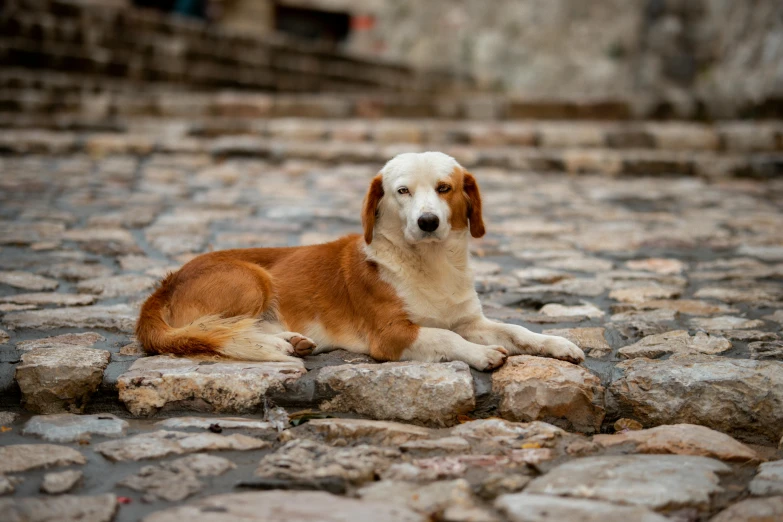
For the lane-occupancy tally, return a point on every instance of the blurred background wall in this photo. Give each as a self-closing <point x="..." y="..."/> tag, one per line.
<point x="667" y="58"/>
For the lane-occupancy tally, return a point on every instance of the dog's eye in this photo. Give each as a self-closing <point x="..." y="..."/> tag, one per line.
<point x="403" y="190"/>
<point x="444" y="188"/>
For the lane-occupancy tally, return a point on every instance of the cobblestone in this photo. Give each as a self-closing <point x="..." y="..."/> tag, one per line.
<point x="673" y="260"/>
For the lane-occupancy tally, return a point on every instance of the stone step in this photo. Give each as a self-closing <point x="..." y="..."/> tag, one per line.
<point x="614" y="162"/>
<point x="729" y="136"/>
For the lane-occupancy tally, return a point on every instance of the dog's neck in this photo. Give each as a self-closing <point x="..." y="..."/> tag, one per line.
<point x="395" y="254"/>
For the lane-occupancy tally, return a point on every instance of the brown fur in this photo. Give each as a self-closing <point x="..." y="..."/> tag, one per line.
<point x="196" y="309"/>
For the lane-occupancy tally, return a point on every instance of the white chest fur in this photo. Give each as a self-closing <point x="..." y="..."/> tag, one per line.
<point x="434" y="281"/>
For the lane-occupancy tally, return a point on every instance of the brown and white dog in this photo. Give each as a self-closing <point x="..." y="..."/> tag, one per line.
<point x="402" y="291"/>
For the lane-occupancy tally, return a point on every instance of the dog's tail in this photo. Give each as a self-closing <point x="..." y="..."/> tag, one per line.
<point x="233" y="337"/>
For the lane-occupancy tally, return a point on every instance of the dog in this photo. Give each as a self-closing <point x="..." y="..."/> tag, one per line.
<point x="402" y="291"/>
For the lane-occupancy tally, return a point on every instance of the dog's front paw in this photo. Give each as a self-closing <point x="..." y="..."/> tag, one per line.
<point x="563" y="349"/>
<point x="490" y="358"/>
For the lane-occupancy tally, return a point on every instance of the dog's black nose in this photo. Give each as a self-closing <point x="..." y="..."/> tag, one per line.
<point x="429" y="222"/>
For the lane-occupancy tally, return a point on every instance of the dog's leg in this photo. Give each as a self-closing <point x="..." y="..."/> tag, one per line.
<point x="519" y="340"/>
<point x="437" y="345"/>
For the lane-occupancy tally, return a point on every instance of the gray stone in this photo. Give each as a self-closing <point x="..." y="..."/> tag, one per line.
<point x="381" y="433"/>
<point x="753" y="510"/>
<point x="535" y="388"/>
<point x="57" y="483"/>
<point x="59" y="380"/>
<point x="105" y="241"/>
<point x="442" y="445"/>
<point x="558" y="310"/>
<point x="119" y="317"/>
<point x="23" y="457"/>
<point x="640" y="294"/>
<point x="160" y="483"/>
<point x="677" y="341"/>
<point x="77" y="339"/>
<point x="445" y="500"/>
<point x="50" y="298"/>
<point x="769" y="480"/>
<point x="422" y="393"/>
<point x="8" y="484"/>
<point x="177" y="479"/>
<point x="682" y="439"/>
<point x="116" y="286"/>
<point x="76" y="271"/>
<point x="291" y="506"/>
<point x="499" y="429"/>
<point x="152" y="383"/>
<point x="526" y="507"/>
<point x="161" y="443"/>
<point x="725" y="322"/>
<point x="658" y="482"/>
<point x="64" y="508"/>
<point x="591" y="340"/>
<point x="67" y="427"/>
<point x="766" y="350"/>
<point x="226" y="423"/>
<point x="308" y="459"/>
<point x="739" y="397"/>
<point x="4" y="337"/>
<point x="657" y="265"/>
<point x="27" y="281"/>
<point x="7" y="417"/>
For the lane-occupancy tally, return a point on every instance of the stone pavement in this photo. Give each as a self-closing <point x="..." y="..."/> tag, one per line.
<point x="664" y="262"/>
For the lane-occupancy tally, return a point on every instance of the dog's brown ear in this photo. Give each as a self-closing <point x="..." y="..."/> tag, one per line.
<point x="474" y="205"/>
<point x="374" y="195"/>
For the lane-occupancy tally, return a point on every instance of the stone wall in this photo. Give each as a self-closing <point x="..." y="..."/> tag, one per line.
<point x="146" y="46"/>
<point x="714" y="58"/>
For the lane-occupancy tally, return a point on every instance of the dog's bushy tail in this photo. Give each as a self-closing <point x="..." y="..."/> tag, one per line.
<point x="232" y="337"/>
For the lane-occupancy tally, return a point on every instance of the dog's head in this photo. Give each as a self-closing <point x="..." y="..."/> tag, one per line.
<point x="422" y="197"/>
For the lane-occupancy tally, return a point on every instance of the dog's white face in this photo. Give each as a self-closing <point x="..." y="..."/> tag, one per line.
<point x="413" y="185"/>
<point x="422" y="197"/>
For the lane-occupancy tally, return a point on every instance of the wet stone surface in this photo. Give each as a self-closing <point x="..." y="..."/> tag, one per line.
<point x="671" y="283"/>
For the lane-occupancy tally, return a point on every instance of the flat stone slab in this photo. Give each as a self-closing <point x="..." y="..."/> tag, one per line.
<point x="116" y="286"/>
<point x="62" y="379"/>
<point x="485" y="429"/>
<point x="178" y="479"/>
<point x="27" y="281"/>
<point x="536" y="388"/>
<point x="658" y="482"/>
<point x="23" y="457"/>
<point x="382" y="433"/>
<point x="119" y="317"/>
<point x="226" y="423"/>
<point x="67" y="427"/>
<point x="65" y="508"/>
<point x="422" y="393"/>
<point x="152" y="383"/>
<point x="288" y="506"/>
<point x="304" y="459"/>
<point x="768" y="480"/>
<point x="683" y="439"/>
<point x="443" y="500"/>
<point x="525" y="507"/>
<point x="591" y="340"/>
<point x="77" y="339"/>
<point x="59" y="482"/>
<point x="158" y="444"/>
<point x="676" y="341"/>
<point x="735" y="396"/>
<point x="753" y="510"/>
<point x="50" y="298"/>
